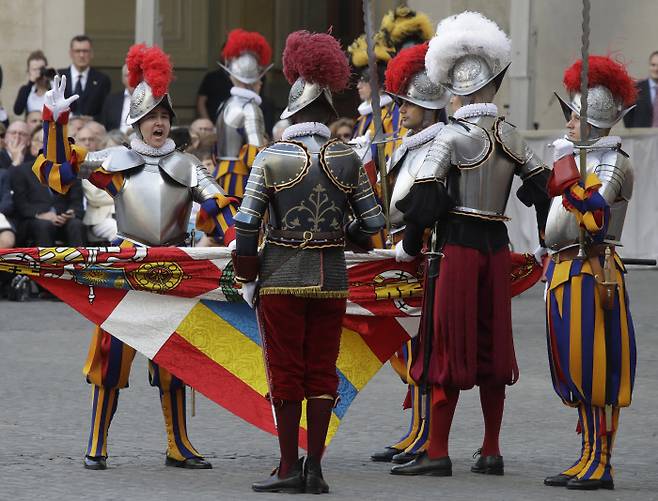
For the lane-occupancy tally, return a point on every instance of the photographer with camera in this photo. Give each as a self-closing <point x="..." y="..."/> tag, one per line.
<point x="31" y="95"/>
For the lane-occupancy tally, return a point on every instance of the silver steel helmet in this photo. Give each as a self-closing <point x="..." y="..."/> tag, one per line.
<point x="471" y="73"/>
<point x="424" y="93"/>
<point x="142" y="101"/>
<point x="245" y="68"/>
<point x="303" y="93"/>
<point x="603" y="110"/>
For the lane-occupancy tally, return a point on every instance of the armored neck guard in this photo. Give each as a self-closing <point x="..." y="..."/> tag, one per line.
<point x="477" y="110"/>
<point x="306" y="129"/>
<point x="422" y="137"/>
<point x="141" y="147"/>
<point x="247" y="94"/>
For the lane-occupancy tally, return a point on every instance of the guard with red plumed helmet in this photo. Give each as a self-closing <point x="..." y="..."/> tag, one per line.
<point x="591" y="339"/>
<point x="153" y="186"/>
<point x="306" y="184"/>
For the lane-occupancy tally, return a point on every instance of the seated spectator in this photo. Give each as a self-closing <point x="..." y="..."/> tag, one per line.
<point x="45" y="217"/>
<point x="7" y="230"/>
<point x="342" y="129"/>
<point x="31" y="95"/>
<point x="116" y="137"/>
<point x="279" y="127"/>
<point x="101" y="227"/>
<point x="33" y="120"/>
<point x="17" y="142"/>
<point x="77" y="123"/>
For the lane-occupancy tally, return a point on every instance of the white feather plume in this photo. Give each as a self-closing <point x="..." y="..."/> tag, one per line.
<point x="466" y="33"/>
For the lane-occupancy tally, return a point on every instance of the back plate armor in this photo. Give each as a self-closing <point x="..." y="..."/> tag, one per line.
<point x="239" y="121"/>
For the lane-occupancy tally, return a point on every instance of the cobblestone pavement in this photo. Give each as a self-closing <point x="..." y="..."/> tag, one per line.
<point x="44" y="413"/>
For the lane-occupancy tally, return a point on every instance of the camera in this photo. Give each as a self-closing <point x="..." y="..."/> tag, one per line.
<point x="48" y="73"/>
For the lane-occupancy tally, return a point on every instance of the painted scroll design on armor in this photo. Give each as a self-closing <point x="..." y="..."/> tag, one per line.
<point x="316" y="209"/>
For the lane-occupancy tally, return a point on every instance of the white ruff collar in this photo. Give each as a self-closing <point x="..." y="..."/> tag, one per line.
<point x="141" y="147"/>
<point x="365" y="108"/>
<point x="306" y="129"/>
<point x="247" y="94"/>
<point x="422" y="137"/>
<point x="477" y="110"/>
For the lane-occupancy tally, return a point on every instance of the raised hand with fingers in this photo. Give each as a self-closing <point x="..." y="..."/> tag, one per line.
<point x="55" y="100"/>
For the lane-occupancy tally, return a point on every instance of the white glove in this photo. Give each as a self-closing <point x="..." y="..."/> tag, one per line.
<point x="248" y="292"/>
<point x="362" y="141"/>
<point x="562" y="148"/>
<point x="232" y="245"/>
<point x="55" y="100"/>
<point x="106" y="229"/>
<point x="539" y="253"/>
<point x="401" y="255"/>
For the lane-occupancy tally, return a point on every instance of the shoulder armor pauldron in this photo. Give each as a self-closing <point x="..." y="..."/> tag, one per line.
<point x="340" y="163"/>
<point x="511" y="141"/>
<point x="284" y="164"/>
<point x="471" y="144"/>
<point x="181" y="167"/>
<point x="116" y="158"/>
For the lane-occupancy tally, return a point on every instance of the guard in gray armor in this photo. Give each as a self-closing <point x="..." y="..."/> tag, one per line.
<point x="153" y="187"/>
<point x="422" y="114"/>
<point x="307" y="185"/>
<point x="461" y="190"/>
<point x="591" y="340"/>
<point x="240" y="123"/>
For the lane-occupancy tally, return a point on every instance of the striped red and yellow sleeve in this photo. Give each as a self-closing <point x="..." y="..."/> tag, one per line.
<point x="111" y="182"/>
<point x="232" y="175"/>
<point x="58" y="164"/>
<point x="215" y="218"/>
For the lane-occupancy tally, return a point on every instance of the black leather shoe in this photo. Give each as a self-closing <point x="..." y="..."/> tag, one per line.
<point x="559" y="480"/>
<point x="423" y="465"/>
<point x="292" y="484"/>
<point x="385" y="456"/>
<point x="313" y="480"/>
<point x="195" y="463"/>
<point x="489" y="465"/>
<point x="404" y="457"/>
<point x="95" y="463"/>
<point x="590" y="484"/>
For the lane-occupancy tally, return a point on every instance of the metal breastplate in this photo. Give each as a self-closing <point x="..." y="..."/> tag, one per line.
<point x="152" y="209"/>
<point x="230" y="133"/>
<point x="314" y="203"/>
<point x="616" y="176"/>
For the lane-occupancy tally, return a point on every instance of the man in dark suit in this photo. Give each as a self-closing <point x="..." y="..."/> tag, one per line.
<point x="44" y="216"/>
<point x="90" y="84"/>
<point x="117" y="105"/>
<point x="645" y="114"/>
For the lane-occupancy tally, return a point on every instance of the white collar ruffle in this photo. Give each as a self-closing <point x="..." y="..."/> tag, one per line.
<point x="477" y="110"/>
<point x="422" y="137"/>
<point x="365" y="108"/>
<point x="306" y="129"/>
<point x="248" y="94"/>
<point x="141" y="147"/>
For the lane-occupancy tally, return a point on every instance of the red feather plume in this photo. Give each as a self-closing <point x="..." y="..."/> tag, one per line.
<point x="150" y="64"/>
<point x="603" y="71"/>
<point x="317" y="58"/>
<point x="240" y="41"/>
<point x="404" y="66"/>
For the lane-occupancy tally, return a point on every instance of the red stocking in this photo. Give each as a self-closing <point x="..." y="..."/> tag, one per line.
<point x="440" y="421"/>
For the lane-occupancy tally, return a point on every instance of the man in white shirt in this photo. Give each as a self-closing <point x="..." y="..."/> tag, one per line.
<point x="115" y="109"/>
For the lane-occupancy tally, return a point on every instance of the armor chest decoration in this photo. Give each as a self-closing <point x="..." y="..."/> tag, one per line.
<point x="152" y="208"/>
<point x="616" y="175"/>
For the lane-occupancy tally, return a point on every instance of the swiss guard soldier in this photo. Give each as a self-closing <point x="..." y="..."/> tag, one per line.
<point x="153" y="186"/>
<point x="591" y="340"/>
<point x="421" y="103"/>
<point x="461" y="190"/>
<point x="240" y="123"/>
<point x="306" y="184"/>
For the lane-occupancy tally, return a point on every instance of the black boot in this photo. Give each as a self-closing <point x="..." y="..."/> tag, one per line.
<point x="385" y="456"/>
<point x="589" y="484"/>
<point x="423" y="465"/>
<point x="95" y="463"/>
<point x="313" y="479"/>
<point x="404" y="457"/>
<point x="195" y="463"/>
<point x="489" y="465"/>
<point x="559" y="480"/>
<point x="292" y="483"/>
